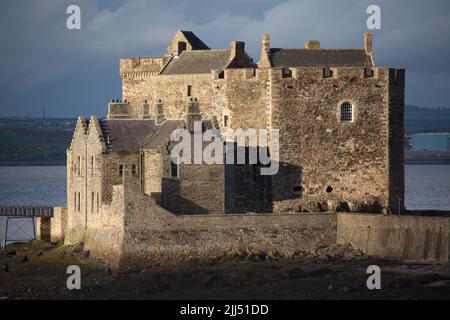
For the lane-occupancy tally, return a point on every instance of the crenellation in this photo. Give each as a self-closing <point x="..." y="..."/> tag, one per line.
<point x="118" y="109"/>
<point x="134" y="67"/>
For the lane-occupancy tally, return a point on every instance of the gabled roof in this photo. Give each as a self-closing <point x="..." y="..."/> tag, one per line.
<point x="198" y="61"/>
<point x="194" y="41"/>
<point x="319" y="58"/>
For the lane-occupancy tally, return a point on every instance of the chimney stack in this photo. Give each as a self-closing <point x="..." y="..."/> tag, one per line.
<point x="145" y="112"/>
<point x="159" y="112"/>
<point x="192" y="114"/>
<point x="368" y="42"/>
<point x="237" y="48"/>
<point x="312" y="44"/>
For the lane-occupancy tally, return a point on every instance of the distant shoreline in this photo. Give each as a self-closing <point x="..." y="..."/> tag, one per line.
<point x="32" y="163"/>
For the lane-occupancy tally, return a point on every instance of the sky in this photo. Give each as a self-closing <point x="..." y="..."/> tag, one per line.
<point x="76" y="72"/>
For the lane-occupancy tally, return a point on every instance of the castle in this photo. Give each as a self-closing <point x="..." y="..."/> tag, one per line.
<point x="341" y="143"/>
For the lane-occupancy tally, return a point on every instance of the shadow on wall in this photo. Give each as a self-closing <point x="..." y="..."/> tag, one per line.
<point x="171" y="199"/>
<point x="244" y="190"/>
<point x="248" y="191"/>
<point x="234" y="188"/>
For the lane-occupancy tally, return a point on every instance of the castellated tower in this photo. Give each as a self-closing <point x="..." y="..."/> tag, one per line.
<point x="339" y="116"/>
<point x="339" y="122"/>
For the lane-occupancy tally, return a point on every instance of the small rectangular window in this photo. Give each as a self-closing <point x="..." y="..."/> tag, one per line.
<point x="98" y="202"/>
<point x="134" y="169"/>
<point x="226" y="120"/>
<point x="121" y="170"/>
<point x="286" y="73"/>
<point x="92" y="202"/>
<point x="327" y="73"/>
<point x="189" y="90"/>
<point x="174" y="168"/>
<point x="79" y="202"/>
<point x="75" y="201"/>
<point x="92" y="166"/>
<point x="368" y="73"/>
<point x="79" y="166"/>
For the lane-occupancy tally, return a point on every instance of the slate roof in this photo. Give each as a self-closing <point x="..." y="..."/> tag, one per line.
<point x="194" y="41"/>
<point x="319" y="58"/>
<point x="136" y="134"/>
<point x="198" y="61"/>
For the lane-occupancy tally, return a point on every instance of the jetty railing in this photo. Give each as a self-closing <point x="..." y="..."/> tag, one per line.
<point x="12" y="212"/>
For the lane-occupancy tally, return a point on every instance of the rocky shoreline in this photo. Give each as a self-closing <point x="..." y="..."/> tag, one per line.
<point x="37" y="270"/>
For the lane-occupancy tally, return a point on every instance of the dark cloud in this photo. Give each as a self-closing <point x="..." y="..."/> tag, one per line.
<point x="76" y="72"/>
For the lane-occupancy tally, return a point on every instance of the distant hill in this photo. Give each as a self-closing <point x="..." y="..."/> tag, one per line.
<point x="34" y="141"/>
<point x="419" y="119"/>
<point x="37" y="141"/>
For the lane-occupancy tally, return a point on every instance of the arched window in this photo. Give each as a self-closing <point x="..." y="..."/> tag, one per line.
<point x="346" y="112"/>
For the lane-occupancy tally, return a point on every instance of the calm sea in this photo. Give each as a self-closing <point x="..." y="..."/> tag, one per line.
<point x="427" y="187"/>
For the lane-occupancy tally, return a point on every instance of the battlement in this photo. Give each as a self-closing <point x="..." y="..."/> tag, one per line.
<point x="238" y="73"/>
<point x="142" y="67"/>
<point x="309" y="73"/>
<point x="118" y="109"/>
<point x="343" y="74"/>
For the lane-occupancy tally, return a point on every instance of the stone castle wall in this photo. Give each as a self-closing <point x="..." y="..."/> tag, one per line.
<point x="318" y="152"/>
<point x="242" y="95"/>
<point x="133" y="231"/>
<point x="172" y="90"/>
<point x="396" y="237"/>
